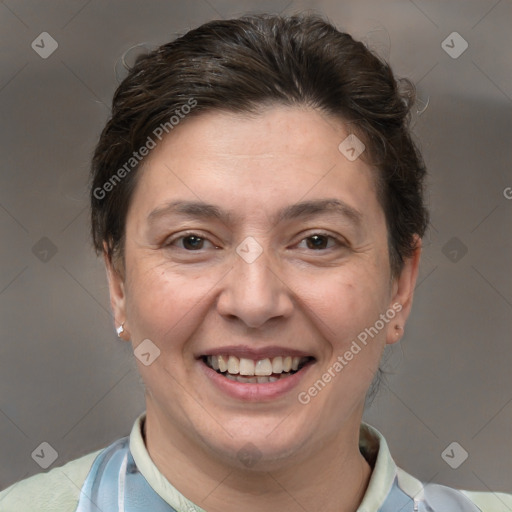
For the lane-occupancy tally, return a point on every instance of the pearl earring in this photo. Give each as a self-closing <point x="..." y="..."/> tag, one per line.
<point x="120" y="330"/>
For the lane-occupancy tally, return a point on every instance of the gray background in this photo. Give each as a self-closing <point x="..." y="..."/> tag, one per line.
<point x="65" y="378"/>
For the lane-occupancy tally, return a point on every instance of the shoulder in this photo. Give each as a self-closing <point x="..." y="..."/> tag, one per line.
<point x="391" y="488"/>
<point x="490" y="501"/>
<point x="440" y="497"/>
<point x="56" y="491"/>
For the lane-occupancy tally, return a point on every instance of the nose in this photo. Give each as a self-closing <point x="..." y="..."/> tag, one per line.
<point x="254" y="292"/>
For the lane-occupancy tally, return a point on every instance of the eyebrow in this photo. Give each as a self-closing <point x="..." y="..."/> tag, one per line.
<point x="199" y="209"/>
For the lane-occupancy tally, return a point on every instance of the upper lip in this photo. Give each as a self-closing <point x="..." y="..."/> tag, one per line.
<point x="256" y="354"/>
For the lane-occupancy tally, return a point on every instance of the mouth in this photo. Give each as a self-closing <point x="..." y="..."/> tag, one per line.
<point x="256" y="371"/>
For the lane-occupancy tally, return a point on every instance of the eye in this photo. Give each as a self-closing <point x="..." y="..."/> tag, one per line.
<point x="319" y="241"/>
<point x="191" y="242"/>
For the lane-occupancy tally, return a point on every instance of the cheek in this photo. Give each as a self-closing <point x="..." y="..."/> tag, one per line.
<point x="166" y="308"/>
<point x="347" y="302"/>
<point x="163" y="305"/>
<point x="356" y="334"/>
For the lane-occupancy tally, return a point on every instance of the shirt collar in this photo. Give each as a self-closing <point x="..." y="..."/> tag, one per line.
<point x="372" y="445"/>
<point x="375" y="450"/>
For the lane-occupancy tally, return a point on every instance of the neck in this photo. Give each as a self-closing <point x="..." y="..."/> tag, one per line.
<point x="333" y="477"/>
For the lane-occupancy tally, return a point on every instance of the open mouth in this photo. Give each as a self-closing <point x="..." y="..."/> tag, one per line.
<point x="249" y="371"/>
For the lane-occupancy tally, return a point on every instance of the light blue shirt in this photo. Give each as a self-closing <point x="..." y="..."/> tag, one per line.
<point x="123" y="478"/>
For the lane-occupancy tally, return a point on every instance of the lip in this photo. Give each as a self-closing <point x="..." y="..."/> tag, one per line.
<point x="254" y="353"/>
<point x="254" y="392"/>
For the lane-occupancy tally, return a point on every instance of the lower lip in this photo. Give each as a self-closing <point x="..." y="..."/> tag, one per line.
<point x="255" y="392"/>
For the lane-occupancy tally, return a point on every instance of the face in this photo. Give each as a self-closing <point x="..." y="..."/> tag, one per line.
<point x="253" y="244"/>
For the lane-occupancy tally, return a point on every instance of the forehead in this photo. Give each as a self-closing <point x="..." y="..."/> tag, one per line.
<point x="278" y="157"/>
<point x="274" y="132"/>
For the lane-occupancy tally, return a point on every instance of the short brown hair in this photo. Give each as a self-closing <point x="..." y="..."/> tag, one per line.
<point x="241" y="65"/>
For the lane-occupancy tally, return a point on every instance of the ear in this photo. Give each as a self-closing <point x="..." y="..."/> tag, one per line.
<point x="117" y="294"/>
<point x="402" y="294"/>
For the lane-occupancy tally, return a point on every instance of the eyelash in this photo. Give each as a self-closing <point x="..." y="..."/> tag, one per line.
<point x="339" y="242"/>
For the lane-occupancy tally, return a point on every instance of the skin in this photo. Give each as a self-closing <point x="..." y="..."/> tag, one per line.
<point x="188" y="300"/>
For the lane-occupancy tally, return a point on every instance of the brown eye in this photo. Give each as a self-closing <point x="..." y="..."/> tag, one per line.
<point x="317" y="242"/>
<point x="189" y="242"/>
<point x="320" y="241"/>
<point x="193" y="242"/>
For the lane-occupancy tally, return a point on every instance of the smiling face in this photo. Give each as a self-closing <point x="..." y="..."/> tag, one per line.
<point x="285" y="257"/>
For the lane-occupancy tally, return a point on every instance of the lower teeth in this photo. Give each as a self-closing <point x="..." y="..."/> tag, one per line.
<point x="256" y="379"/>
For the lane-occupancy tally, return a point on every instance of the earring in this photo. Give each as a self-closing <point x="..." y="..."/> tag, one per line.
<point x="120" y="330"/>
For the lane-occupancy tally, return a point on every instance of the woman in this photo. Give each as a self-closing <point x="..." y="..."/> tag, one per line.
<point x="258" y="202"/>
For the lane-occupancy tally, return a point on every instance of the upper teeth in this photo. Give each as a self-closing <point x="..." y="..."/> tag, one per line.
<point x="243" y="366"/>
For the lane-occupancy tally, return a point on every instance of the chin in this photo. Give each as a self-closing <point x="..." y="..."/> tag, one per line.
<point x="259" y="447"/>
